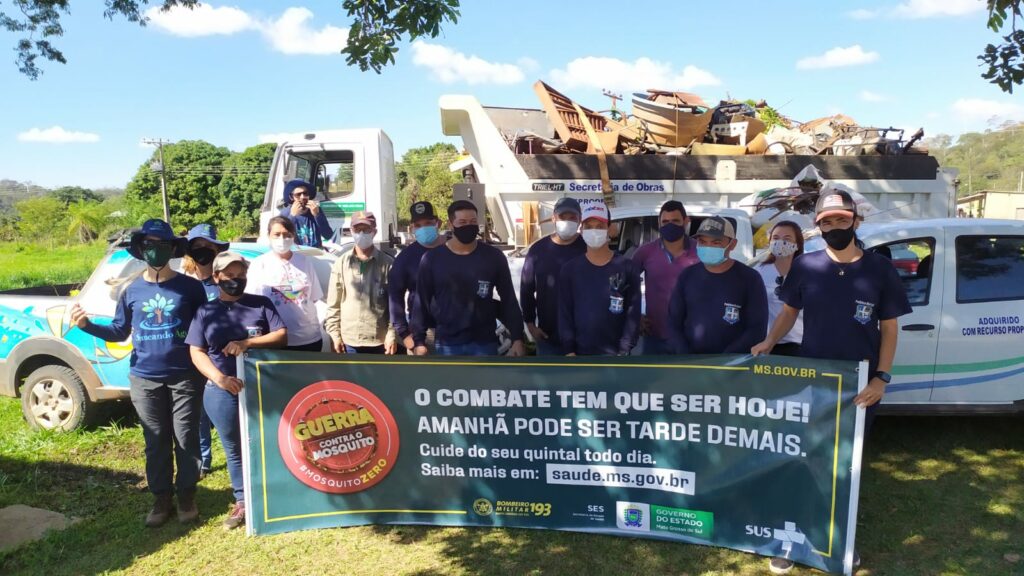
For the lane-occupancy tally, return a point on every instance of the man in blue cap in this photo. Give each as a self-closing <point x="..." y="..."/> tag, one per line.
<point x="203" y="247"/>
<point x="156" y="309"/>
<point x="402" y="277"/>
<point x="311" y="225"/>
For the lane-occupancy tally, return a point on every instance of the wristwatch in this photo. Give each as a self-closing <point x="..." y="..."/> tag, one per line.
<point x="883" y="376"/>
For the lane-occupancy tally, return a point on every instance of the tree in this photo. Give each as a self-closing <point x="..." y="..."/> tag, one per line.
<point x="40" y="219"/>
<point x="125" y="213"/>
<point x="423" y="174"/>
<point x="376" y="28"/>
<point x="241" y="189"/>
<point x="70" y="194"/>
<point x="86" y="220"/>
<point x="1006" y="61"/>
<point x="193" y="172"/>
<point x="989" y="160"/>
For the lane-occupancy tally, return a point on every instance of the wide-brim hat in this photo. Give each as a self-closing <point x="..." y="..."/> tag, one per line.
<point x="161" y="230"/>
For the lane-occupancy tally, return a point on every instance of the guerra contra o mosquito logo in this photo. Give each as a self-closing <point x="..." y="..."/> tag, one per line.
<point x="338" y="437"/>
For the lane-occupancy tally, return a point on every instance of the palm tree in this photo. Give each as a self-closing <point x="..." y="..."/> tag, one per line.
<point x="86" y="220"/>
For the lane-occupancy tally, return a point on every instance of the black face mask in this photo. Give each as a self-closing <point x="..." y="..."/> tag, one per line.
<point x="157" y="254"/>
<point x="466" y="234"/>
<point x="203" y="256"/>
<point x="232" y="287"/>
<point x="838" y="238"/>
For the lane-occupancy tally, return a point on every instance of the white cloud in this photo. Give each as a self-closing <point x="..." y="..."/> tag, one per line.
<point x="978" y="109"/>
<point x="869" y="96"/>
<point x="203" y="20"/>
<point x="641" y="74"/>
<point x="937" y="8"/>
<point x="57" y="135"/>
<point x="838" y="57"/>
<point x="289" y="33"/>
<point x="449" y="66"/>
<point x="862" y="14"/>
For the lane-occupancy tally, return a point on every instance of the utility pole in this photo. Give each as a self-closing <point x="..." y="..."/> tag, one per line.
<point x="162" y="168"/>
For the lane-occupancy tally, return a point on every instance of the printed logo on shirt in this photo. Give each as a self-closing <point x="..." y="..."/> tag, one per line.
<point x="732" y="313"/>
<point x="288" y="294"/>
<point x="615" y="306"/>
<point x="158" y="314"/>
<point x="254" y="331"/>
<point x="483" y="288"/>
<point x="864" y="312"/>
<point x="306" y="234"/>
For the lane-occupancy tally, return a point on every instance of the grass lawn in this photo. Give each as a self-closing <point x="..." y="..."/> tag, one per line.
<point x="939" y="496"/>
<point x="26" y="265"/>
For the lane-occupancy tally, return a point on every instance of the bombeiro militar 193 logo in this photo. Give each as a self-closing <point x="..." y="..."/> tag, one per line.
<point x="338" y="437"/>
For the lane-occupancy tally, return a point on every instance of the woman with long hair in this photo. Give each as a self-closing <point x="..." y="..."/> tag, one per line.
<point x="786" y="242"/>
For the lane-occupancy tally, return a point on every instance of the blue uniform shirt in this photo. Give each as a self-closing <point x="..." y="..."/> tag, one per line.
<point x="599" y="306"/>
<point x="402" y="287"/>
<point x="217" y="323"/>
<point x="724" y="313"/>
<point x="538" y="286"/>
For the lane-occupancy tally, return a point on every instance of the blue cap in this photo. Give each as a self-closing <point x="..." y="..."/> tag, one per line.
<point x="567" y="204"/>
<point x="159" y="229"/>
<point x="207" y="232"/>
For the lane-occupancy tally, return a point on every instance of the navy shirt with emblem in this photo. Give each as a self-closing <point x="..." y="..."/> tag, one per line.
<point x="219" y="322"/>
<point x="842" y="312"/>
<point x="538" y="286"/>
<point x="157" y="316"/>
<point x="711" y="313"/>
<point x="456" y="295"/>
<point x="599" y="306"/>
<point x="402" y="287"/>
<point x="212" y="290"/>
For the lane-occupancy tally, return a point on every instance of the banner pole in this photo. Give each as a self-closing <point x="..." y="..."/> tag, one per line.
<point x="855" y="469"/>
<point x="243" y="427"/>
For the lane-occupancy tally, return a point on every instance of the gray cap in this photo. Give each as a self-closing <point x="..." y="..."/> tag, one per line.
<point x="567" y="204"/>
<point x="716" y="227"/>
<point x="225" y="259"/>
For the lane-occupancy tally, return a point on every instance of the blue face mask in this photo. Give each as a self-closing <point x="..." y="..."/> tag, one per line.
<point x="711" y="255"/>
<point x="426" y="235"/>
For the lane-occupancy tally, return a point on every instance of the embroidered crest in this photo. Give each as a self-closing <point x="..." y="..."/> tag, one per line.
<point x="732" y="313"/>
<point x="864" y="312"/>
<point x="615" y="305"/>
<point x="254" y="331"/>
<point x="633" y="517"/>
<point x="483" y="288"/>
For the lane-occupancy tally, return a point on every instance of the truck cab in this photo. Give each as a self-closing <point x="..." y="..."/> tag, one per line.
<point x="351" y="170"/>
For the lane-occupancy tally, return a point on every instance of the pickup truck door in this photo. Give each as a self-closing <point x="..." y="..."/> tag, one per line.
<point x="981" y="343"/>
<point x="920" y="263"/>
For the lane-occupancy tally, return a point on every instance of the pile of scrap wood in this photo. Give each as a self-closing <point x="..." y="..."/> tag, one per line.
<point x="664" y="122"/>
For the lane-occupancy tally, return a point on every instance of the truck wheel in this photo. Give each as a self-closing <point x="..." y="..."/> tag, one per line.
<point x="54" y="398"/>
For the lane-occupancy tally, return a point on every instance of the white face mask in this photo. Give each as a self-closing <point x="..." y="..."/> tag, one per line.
<point x="782" y="248"/>
<point x="566" y="229"/>
<point x="281" y="245"/>
<point x="363" y="239"/>
<point x="595" y="238"/>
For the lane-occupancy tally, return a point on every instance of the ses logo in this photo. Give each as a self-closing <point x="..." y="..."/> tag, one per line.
<point x="633" y="516"/>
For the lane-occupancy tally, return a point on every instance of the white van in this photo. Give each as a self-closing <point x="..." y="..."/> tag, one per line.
<point x="961" y="350"/>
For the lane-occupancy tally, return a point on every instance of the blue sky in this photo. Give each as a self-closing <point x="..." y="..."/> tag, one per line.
<point x="234" y="72"/>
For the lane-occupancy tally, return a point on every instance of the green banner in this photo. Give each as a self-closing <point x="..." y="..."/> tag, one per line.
<point x="757" y="454"/>
<point x="338" y="209"/>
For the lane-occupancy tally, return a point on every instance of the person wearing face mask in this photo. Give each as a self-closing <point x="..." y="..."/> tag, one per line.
<point x="290" y="281"/>
<point x="538" y="286"/>
<point x="156" y="310"/>
<point x="221" y="331"/>
<point x="311" y="225"/>
<point x="661" y="262"/>
<point x="402" y="276"/>
<point x="357" y="295"/>
<point x="455" y="288"/>
<point x="598" y="294"/>
<point x="203" y="247"/>
<point x="851" y="300"/>
<point x="719" y="307"/>
<point x="786" y="242"/>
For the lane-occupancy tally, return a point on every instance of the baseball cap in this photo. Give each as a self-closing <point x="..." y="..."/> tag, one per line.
<point x="207" y="232"/>
<point x="716" y="227"/>
<point x="566" y="204"/>
<point x="834" y="202"/>
<point x="363" y="217"/>
<point x="596" y="210"/>
<point x="420" y="210"/>
<point x="225" y="259"/>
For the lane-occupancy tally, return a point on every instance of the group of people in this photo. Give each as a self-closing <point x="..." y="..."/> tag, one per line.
<point x="577" y="297"/>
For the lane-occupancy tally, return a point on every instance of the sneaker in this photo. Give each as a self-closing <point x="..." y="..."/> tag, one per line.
<point x="236" y="517"/>
<point x="187" y="510"/>
<point x="856" y="559"/>
<point x="204" y="472"/>
<point x="780" y="565"/>
<point x="161" y="511"/>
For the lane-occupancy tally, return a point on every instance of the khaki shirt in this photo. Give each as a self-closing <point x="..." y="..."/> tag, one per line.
<point x="357" y="300"/>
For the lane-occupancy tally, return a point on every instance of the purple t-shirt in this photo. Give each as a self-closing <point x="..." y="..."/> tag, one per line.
<point x="218" y="322"/>
<point x="723" y="313"/>
<point x="842" y="312"/>
<point x="538" y="286"/>
<point x="661" y="271"/>
<point x="599" y="306"/>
